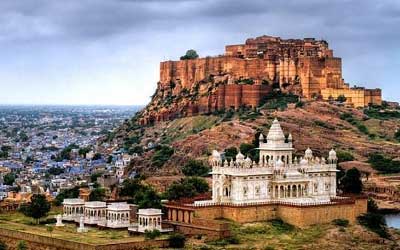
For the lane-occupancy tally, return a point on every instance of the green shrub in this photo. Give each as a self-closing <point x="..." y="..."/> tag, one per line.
<point x="3" y="245"/>
<point x="268" y="248"/>
<point x="161" y="155"/>
<point x="299" y="104"/>
<point x="381" y="113"/>
<point x="281" y="226"/>
<point x="186" y="188"/>
<point x="177" y="240"/>
<point x="323" y="124"/>
<point x="21" y="245"/>
<point x="151" y="235"/>
<point x="383" y="163"/>
<point x="351" y="182"/>
<point x="362" y="128"/>
<point x="234" y="240"/>
<point x="374" y="222"/>
<point x="195" y="168"/>
<point x="341" y="222"/>
<point x="278" y="100"/>
<point x="190" y="54"/>
<point x="372" y="206"/>
<point x="230" y="153"/>
<point x="344" y="156"/>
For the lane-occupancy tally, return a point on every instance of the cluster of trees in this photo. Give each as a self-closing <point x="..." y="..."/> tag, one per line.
<point x="142" y="195"/>
<point x="97" y="194"/>
<point x="66" y="194"/>
<point x="247" y="149"/>
<point x="341" y="99"/>
<point x="186" y="188"/>
<point x="374" y="220"/>
<point x="344" y="156"/>
<point x="353" y="121"/>
<point x="55" y="171"/>
<point x="9" y="179"/>
<point x="37" y="208"/>
<point x="190" y="54"/>
<point x="383" y="163"/>
<point x="195" y="168"/>
<point x="351" y="182"/>
<point x="161" y="155"/>
<point x="4" y="151"/>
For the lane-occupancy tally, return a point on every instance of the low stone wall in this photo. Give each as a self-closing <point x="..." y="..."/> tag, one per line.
<point x="214" y="229"/>
<point x="39" y="242"/>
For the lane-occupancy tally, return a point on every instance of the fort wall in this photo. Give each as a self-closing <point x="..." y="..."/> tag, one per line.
<point x="246" y="73"/>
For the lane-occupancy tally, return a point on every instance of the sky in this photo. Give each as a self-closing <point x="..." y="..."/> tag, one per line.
<point x="108" y="51"/>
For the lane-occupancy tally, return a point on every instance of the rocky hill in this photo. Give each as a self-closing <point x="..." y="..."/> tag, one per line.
<point x="246" y="74"/>
<point x="202" y="104"/>
<point x="166" y="146"/>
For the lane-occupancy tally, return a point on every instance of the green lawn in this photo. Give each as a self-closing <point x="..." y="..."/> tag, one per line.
<point x="19" y="222"/>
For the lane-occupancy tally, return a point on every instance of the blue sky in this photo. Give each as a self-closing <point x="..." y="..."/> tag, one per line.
<point x="108" y="51"/>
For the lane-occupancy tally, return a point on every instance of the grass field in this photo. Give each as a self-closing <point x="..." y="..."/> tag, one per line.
<point x="19" y="222"/>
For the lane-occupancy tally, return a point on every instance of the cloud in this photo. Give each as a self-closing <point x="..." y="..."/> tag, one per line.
<point x="56" y="37"/>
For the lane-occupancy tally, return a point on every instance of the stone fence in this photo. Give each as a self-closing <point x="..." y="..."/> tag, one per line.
<point x="40" y="242"/>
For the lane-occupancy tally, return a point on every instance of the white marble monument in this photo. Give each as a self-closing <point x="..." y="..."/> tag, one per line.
<point x="277" y="177"/>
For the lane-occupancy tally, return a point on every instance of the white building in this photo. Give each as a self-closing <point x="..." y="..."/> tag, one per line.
<point x="114" y="215"/>
<point x="149" y="219"/>
<point x="118" y="215"/>
<point x="73" y="209"/>
<point x="95" y="212"/>
<point x="277" y="177"/>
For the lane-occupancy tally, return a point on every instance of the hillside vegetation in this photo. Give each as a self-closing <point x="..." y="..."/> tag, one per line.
<point x="318" y="125"/>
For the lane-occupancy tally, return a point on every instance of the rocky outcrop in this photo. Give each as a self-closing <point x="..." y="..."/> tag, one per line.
<point x="244" y="75"/>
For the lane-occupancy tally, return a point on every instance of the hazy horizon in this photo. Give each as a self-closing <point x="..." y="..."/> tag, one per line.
<point x="107" y="52"/>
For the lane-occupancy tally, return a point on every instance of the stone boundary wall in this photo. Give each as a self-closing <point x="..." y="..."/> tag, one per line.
<point x="39" y="242"/>
<point x="295" y="214"/>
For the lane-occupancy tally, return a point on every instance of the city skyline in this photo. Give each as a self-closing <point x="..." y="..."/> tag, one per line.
<point x="108" y="52"/>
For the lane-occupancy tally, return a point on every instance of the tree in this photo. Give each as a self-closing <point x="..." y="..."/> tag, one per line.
<point x="190" y="54"/>
<point x="21" y="245"/>
<point x="341" y="98"/>
<point x="142" y="195"/>
<point x="3" y="245"/>
<point x="351" y="182"/>
<point x="344" y="156"/>
<point x="37" y="208"/>
<point x="195" y="168"/>
<point x="55" y="171"/>
<point x="65" y="194"/>
<point x="187" y="188"/>
<point x="372" y="207"/>
<point x="97" y="156"/>
<point x="176" y="240"/>
<point x="151" y="235"/>
<point x="230" y="153"/>
<point x="148" y="199"/>
<point x="83" y="151"/>
<point x="161" y="155"/>
<point x="9" y="179"/>
<point x="50" y="229"/>
<point x="97" y="194"/>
